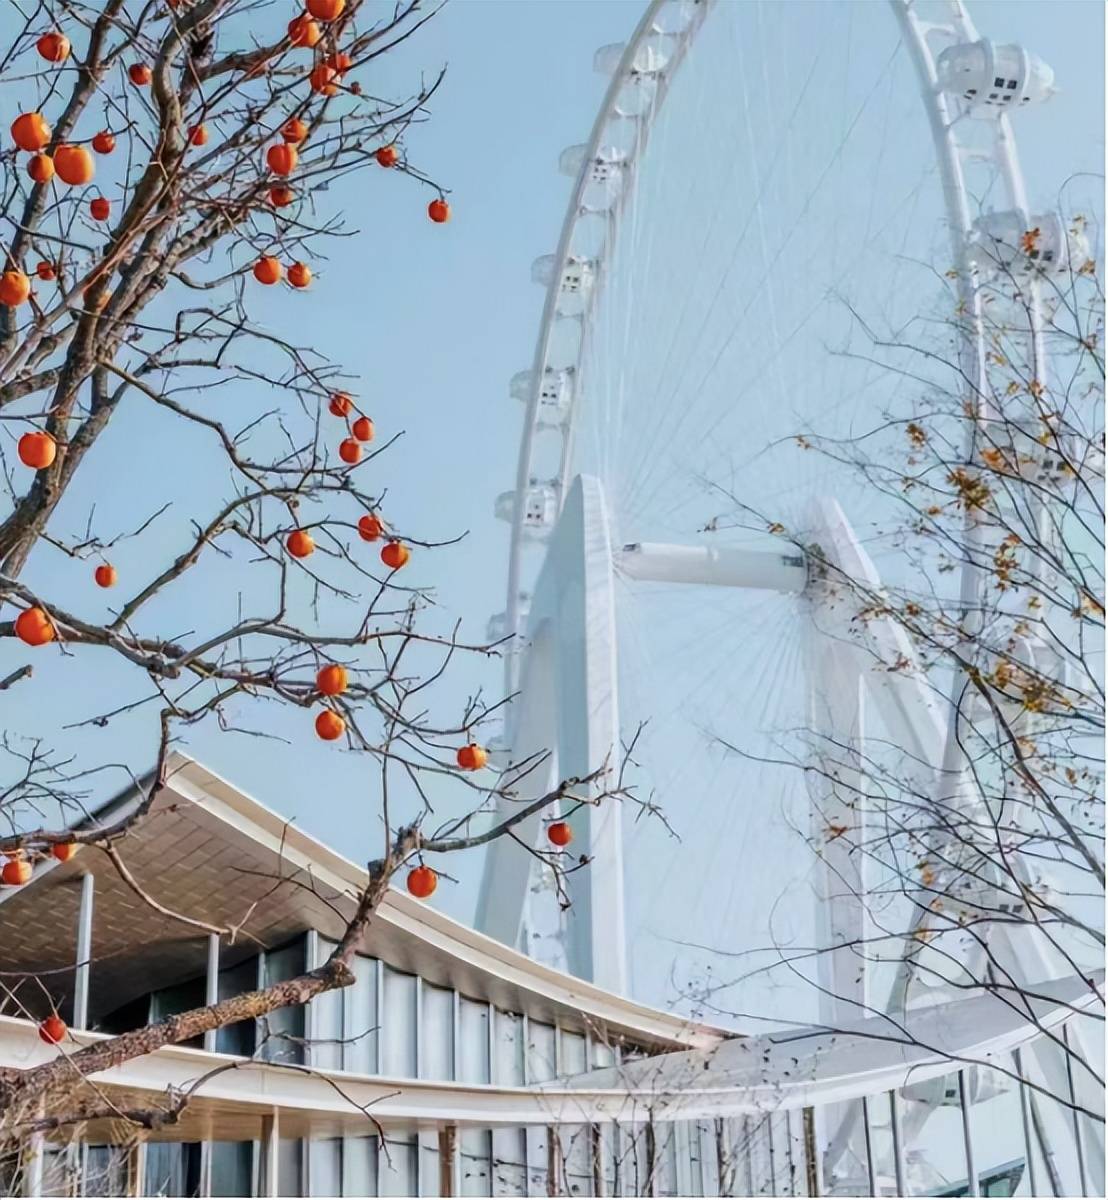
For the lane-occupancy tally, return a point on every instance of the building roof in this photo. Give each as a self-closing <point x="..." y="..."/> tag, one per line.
<point x="213" y="854"/>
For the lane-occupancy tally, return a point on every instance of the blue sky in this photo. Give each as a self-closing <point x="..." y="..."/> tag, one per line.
<point x="434" y="321"/>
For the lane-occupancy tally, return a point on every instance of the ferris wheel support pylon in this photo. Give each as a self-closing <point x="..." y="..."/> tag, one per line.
<point x="569" y="701"/>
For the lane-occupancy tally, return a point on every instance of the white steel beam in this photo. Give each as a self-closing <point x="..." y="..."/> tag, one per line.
<point x="84" y="953"/>
<point x="720" y="566"/>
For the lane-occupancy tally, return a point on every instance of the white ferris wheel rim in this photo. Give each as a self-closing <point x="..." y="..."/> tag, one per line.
<point x="948" y="150"/>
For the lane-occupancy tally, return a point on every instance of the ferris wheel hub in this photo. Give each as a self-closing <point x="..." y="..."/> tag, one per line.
<point x="720" y="566"/>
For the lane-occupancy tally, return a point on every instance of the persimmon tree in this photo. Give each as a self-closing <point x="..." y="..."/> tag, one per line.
<point x="977" y="871"/>
<point x="168" y="168"/>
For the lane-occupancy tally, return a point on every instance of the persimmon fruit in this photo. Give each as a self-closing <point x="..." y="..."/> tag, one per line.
<point x="15" y="288"/>
<point x="74" y="165"/>
<point x="394" y="555"/>
<point x="34" y="627"/>
<point x="332" y="680"/>
<point x="267" y="269"/>
<point x="472" y="757"/>
<point x="422" y="882"/>
<point x="370" y="527"/>
<point x="329" y="725"/>
<point x="300" y="543"/>
<point x="41" y="168"/>
<point x="31" y="132"/>
<point x="53" y="1030"/>
<point x="37" y="449"/>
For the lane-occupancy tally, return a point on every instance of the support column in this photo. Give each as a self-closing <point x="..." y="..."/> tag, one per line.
<point x="211" y="996"/>
<point x="270" y="1141"/>
<point x="448" y="1160"/>
<point x="136" y="1169"/>
<point x="84" y="954"/>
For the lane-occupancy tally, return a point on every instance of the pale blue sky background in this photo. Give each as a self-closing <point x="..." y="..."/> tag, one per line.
<point x="434" y="320"/>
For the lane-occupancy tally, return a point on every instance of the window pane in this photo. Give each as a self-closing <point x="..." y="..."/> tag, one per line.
<point x="841" y="1143"/>
<point x="283" y="1030"/>
<point x="398" y="1166"/>
<point x="232" y="1168"/>
<point x="233" y="981"/>
<point x="398" y="1026"/>
<point x="325" y="1167"/>
<point x="509" y="1174"/>
<point x="540" y="1052"/>
<point x="327" y="1032"/>
<point x="436" y="1045"/>
<point x="289" y="1160"/>
<point x="167" y="1002"/>
<point x="935" y="1157"/>
<point x="509" y="1048"/>
<point x="360" y="1018"/>
<point x="665" y="1159"/>
<point x="172" y="1169"/>
<point x="473" y="1052"/>
<point x="430" y="1172"/>
<point x="575" y="1146"/>
<point x="359" y="1166"/>
<point x="999" y="1149"/>
<point x="574" y="1060"/>
<point x="105" y="1171"/>
<point x="475" y="1146"/>
<point x="538" y="1157"/>
<point x="603" y="1053"/>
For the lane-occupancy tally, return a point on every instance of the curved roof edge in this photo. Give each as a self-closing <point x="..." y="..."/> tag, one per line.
<point x="415" y="919"/>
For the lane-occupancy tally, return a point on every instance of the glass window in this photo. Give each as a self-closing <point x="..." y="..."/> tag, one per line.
<point x="172" y="1169"/>
<point x="575" y="1143"/>
<point x="232" y="1168"/>
<point x="540" y="1052"/>
<point x="105" y="1171"/>
<point x="1051" y="1120"/>
<point x="733" y="1157"/>
<point x="842" y="1146"/>
<point x="398" y="1166"/>
<point x="359" y="1166"/>
<point x="327" y="1032"/>
<point x="935" y="1155"/>
<point x="436" y="1046"/>
<point x="608" y="1151"/>
<point x="665" y="1158"/>
<point x="476" y="1155"/>
<point x="473" y="1049"/>
<point x="604" y="1053"/>
<point x="509" y="1048"/>
<point x="325" y="1167"/>
<point x="359" y="1052"/>
<point x="398" y="1025"/>
<point x="996" y="1115"/>
<point x="636" y="1160"/>
<point x="509" y="1171"/>
<point x="290" y="1159"/>
<point x="167" y="1002"/>
<point x="538" y="1159"/>
<point x="282" y="1031"/>
<point x="430" y="1169"/>
<point x="233" y="981"/>
<point x="574" y="1060"/>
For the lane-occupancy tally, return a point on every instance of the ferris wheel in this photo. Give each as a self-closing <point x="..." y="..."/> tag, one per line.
<point x="766" y="191"/>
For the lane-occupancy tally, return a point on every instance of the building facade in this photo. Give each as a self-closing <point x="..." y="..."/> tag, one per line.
<point x="455" y="1065"/>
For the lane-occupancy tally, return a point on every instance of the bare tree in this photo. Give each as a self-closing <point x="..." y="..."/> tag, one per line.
<point x="976" y="868"/>
<point x="171" y="162"/>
